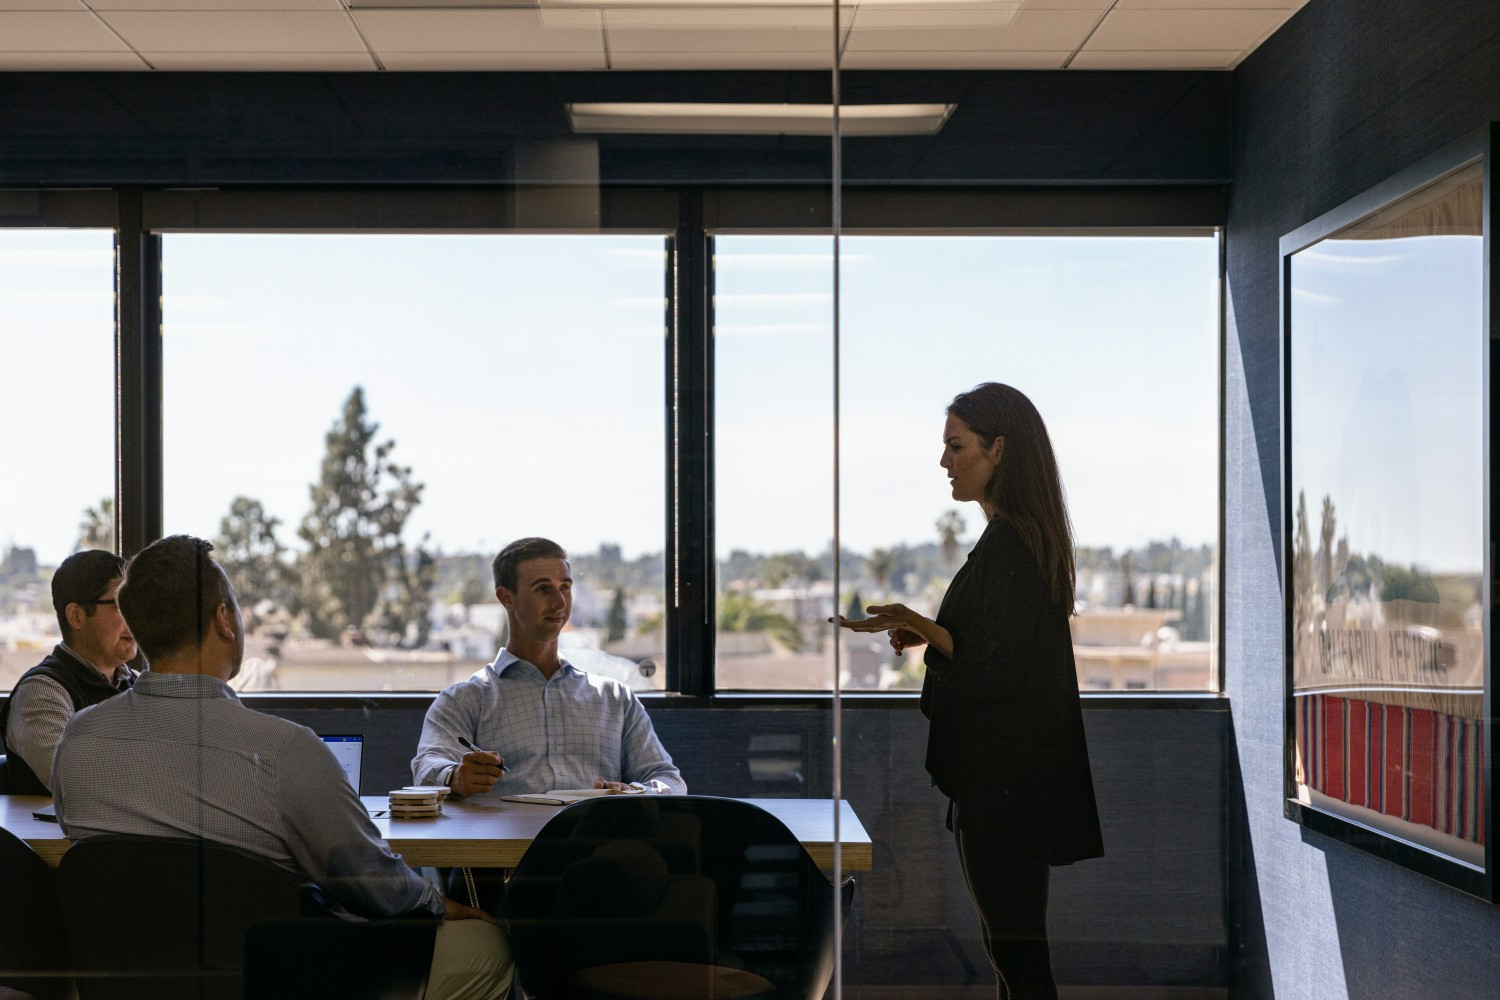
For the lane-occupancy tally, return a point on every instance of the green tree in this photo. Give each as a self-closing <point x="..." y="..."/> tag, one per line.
<point x="856" y="608"/>
<point x="470" y="591"/>
<point x="881" y="565"/>
<point x="1127" y="582"/>
<point x="1302" y="564"/>
<point x="97" y="529"/>
<point x="740" y="612"/>
<point x="1151" y="594"/>
<point x="950" y="528"/>
<point x="617" y="624"/>
<point x="360" y="506"/>
<point x="249" y="551"/>
<point x="1326" y="533"/>
<point x="406" y="609"/>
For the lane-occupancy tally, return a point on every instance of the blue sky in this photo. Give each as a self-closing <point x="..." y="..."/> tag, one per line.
<point x="1387" y="394"/>
<point x="523" y="378"/>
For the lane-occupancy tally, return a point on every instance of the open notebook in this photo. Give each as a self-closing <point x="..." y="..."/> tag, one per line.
<point x="563" y="796"/>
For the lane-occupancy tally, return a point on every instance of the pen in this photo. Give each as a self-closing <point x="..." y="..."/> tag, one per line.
<point x="477" y="750"/>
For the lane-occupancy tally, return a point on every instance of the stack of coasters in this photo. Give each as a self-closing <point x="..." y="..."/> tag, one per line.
<point x="417" y="802"/>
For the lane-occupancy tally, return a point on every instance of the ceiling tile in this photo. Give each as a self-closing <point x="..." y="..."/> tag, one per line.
<point x="916" y="28"/>
<point x="15" y="5"/>
<point x="70" y="61"/>
<point x="1286" y="5"/>
<point x="59" y="31"/>
<point x="236" y="31"/>
<point x="1099" y="6"/>
<point x="489" y="61"/>
<point x="215" y="5"/>
<point x="261" y="61"/>
<point x="1172" y="59"/>
<point x="637" y="60"/>
<point x="475" y="31"/>
<point x="955" y="59"/>
<point x="1196" y="30"/>
<point x="769" y="31"/>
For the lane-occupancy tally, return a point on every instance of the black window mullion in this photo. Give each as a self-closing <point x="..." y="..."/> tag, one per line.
<point x="690" y="542"/>
<point x="138" y="364"/>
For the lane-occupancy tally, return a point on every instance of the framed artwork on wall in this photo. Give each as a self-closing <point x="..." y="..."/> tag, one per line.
<point x="1387" y="337"/>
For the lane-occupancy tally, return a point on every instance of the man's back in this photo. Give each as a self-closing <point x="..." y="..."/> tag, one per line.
<point x="179" y="756"/>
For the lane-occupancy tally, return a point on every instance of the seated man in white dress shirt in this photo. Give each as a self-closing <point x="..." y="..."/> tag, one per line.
<point x="550" y="724"/>
<point x="252" y="781"/>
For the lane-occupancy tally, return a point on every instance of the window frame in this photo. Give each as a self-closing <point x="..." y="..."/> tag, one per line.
<point x="689" y="218"/>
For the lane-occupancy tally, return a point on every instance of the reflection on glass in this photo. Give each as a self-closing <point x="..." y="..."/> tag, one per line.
<point x="362" y="422"/>
<point x="1387" y="559"/>
<point x="58" y="411"/>
<point x="1114" y="338"/>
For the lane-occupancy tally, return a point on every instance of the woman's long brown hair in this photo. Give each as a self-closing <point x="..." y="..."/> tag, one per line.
<point x="1026" y="489"/>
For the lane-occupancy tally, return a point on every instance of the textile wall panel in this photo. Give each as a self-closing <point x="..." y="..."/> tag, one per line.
<point x="1346" y="94"/>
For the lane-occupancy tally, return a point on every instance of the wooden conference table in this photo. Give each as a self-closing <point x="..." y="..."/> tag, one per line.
<point x="494" y="834"/>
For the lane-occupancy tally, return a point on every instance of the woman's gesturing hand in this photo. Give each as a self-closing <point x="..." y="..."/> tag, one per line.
<point x="905" y="626"/>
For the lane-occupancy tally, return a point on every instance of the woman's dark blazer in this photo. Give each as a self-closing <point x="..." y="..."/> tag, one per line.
<point x="1006" y="737"/>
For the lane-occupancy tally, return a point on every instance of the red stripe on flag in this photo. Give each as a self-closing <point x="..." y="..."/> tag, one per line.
<point x="1359" y="753"/>
<point x="1334" y="732"/>
<point x="1394" y="761"/>
<point x="1422" y="767"/>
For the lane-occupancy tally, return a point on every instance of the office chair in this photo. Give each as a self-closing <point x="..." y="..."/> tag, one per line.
<point x="155" y="918"/>
<point x="680" y="897"/>
<point x="33" y="947"/>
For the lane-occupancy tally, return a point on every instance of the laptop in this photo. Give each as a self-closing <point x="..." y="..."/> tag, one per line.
<point x="349" y="751"/>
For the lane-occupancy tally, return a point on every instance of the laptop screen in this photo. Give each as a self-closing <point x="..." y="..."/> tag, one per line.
<point x="349" y="752"/>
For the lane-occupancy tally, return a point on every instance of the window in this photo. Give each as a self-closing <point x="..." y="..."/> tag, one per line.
<point x="362" y="421"/>
<point x="1116" y="341"/>
<point x="58" y="448"/>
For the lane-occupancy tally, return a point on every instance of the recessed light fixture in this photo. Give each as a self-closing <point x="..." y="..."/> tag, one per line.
<point x="757" y="119"/>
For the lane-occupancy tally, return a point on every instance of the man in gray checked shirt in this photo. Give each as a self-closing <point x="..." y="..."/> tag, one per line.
<point x="179" y="756"/>
<point x="551" y="724"/>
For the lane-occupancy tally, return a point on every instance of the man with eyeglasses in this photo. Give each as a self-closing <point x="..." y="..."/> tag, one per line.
<point x="87" y="667"/>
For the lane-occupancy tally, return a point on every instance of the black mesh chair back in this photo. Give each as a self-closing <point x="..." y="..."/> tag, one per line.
<point x="33" y="946"/>
<point x="152" y="918"/>
<point x="159" y="919"/>
<point x="650" y="897"/>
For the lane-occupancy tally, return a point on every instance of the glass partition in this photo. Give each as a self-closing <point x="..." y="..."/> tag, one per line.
<point x="57" y="328"/>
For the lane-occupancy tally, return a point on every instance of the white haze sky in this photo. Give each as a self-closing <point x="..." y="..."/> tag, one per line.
<point x="523" y="379"/>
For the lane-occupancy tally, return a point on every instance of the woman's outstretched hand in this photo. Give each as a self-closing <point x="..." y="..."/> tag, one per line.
<point x="905" y="627"/>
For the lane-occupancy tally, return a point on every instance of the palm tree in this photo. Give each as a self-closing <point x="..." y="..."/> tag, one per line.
<point x="881" y="564"/>
<point x="950" y="528"/>
<point x="740" y="612"/>
<point x="97" y="529"/>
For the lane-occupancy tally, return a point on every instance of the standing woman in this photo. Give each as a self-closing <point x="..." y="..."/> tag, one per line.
<point x="1006" y="741"/>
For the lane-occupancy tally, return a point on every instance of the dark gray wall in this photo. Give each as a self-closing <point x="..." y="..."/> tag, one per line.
<point x="1348" y="93"/>
<point x="1153" y="912"/>
<point x="463" y="128"/>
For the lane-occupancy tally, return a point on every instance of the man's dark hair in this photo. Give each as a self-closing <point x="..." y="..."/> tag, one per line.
<point x="82" y="579"/>
<point x="171" y="592"/>
<point x="513" y="555"/>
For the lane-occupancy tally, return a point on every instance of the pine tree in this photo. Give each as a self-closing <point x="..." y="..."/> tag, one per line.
<point x="360" y="506"/>
<point x="617" y="624"/>
<point x="252" y="555"/>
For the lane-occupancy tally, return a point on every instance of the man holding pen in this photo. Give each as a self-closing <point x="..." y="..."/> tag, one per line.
<point x="530" y="721"/>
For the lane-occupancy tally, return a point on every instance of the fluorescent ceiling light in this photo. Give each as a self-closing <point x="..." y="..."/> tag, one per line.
<point x="1009" y="7"/>
<point x="758" y="119"/>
